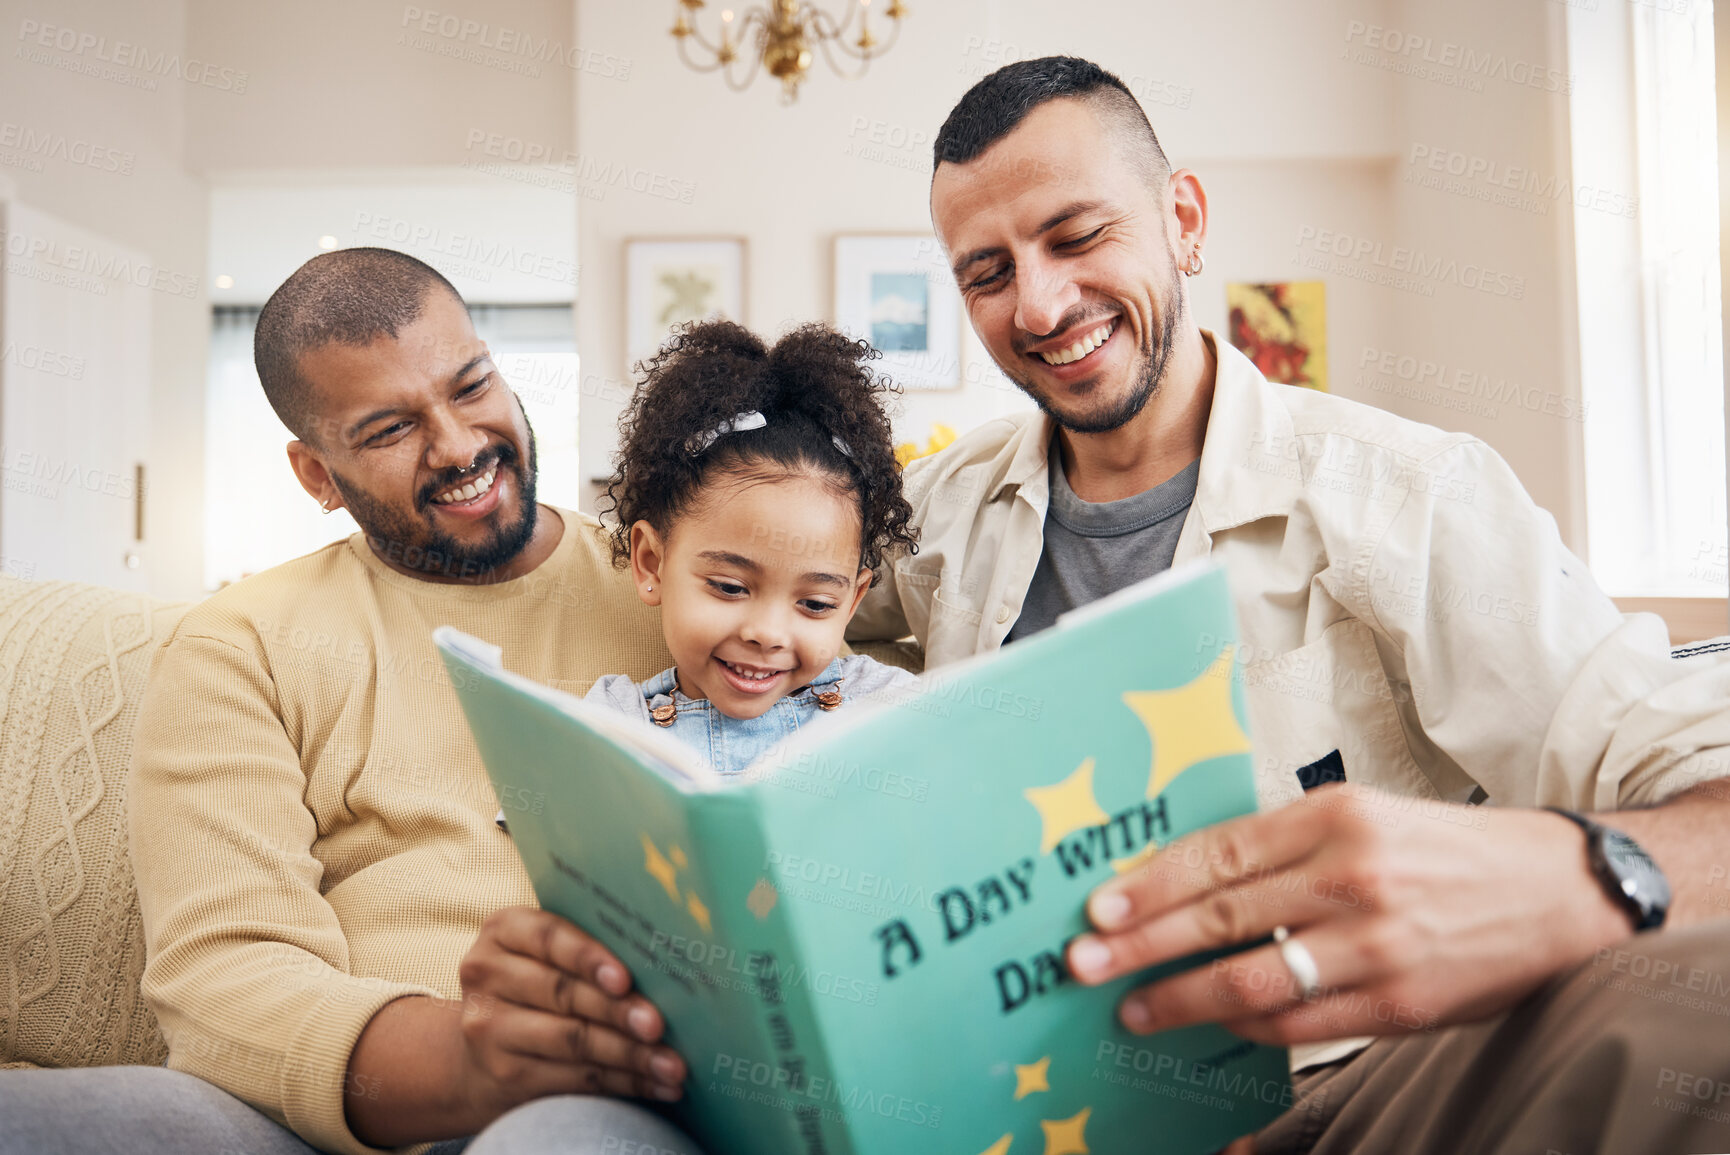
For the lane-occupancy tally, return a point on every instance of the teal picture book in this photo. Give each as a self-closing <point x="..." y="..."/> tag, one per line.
<point x="857" y="943"/>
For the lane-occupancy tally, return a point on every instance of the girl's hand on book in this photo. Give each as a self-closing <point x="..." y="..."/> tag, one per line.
<point x="555" y="1015"/>
<point x="1413" y="914"/>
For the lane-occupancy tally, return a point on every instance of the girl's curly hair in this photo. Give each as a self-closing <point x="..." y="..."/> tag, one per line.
<point x="814" y="388"/>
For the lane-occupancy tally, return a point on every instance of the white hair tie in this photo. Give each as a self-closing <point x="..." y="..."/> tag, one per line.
<point x="738" y="423"/>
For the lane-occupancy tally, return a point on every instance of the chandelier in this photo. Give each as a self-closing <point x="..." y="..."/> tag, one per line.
<point x="779" y="39"/>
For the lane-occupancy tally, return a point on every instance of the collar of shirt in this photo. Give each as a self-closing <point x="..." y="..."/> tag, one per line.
<point x="1249" y="465"/>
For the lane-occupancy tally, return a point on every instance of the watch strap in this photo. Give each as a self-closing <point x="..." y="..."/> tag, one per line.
<point x="1624" y="869"/>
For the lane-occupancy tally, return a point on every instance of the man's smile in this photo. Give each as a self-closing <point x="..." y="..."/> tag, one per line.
<point x="474" y="495"/>
<point x="1091" y="340"/>
<point x="470" y="491"/>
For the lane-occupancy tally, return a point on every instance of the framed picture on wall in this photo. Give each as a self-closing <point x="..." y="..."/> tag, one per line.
<point x="671" y="280"/>
<point x="1283" y="327"/>
<point x="896" y="291"/>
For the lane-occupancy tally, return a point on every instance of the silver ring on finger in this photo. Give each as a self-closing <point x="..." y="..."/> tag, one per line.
<point x="1302" y="964"/>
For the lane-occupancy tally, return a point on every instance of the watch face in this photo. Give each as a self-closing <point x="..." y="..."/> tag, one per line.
<point x="1631" y="870"/>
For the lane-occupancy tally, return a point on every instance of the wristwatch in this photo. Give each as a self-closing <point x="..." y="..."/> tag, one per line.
<point x="1626" y="871"/>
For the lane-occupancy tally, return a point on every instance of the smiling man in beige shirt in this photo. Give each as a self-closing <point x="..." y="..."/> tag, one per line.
<point x="1411" y="624"/>
<point x="344" y="947"/>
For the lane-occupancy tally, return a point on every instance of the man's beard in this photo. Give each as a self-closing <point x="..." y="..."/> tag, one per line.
<point x="1154" y="359"/>
<point x="412" y="541"/>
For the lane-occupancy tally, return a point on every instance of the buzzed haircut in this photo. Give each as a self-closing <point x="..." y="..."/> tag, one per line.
<point x="348" y="297"/>
<point x="994" y="107"/>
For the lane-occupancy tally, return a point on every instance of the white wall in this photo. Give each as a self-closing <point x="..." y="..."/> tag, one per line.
<point x="378" y="83"/>
<point x="1523" y="345"/>
<point x="130" y="111"/>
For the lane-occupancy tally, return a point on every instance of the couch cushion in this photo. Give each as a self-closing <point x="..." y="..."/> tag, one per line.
<point x="73" y="659"/>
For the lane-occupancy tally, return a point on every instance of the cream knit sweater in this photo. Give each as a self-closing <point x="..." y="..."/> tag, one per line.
<point x="311" y="826"/>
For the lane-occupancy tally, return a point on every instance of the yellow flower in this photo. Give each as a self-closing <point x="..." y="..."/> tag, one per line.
<point x="941" y="437"/>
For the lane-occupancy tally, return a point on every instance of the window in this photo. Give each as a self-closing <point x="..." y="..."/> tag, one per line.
<point x="1645" y="162"/>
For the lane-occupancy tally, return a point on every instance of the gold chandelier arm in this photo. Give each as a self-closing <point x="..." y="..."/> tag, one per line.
<point x="752" y="67"/>
<point x="685" y="55"/>
<point x="752" y="29"/>
<point x="697" y="35"/>
<point x="821" y="16"/>
<point x="685" y="28"/>
<point x="832" y="35"/>
<point x="844" y="73"/>
<point x="822" y="27"/>
<point x="894" y="35"/>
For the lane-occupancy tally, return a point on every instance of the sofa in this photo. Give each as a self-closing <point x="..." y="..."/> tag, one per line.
<point x="73" y="661"/>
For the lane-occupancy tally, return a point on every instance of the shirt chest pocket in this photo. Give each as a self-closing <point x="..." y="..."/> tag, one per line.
<point x="954" y="626"/>
<point x="950" y="624"/>
<point x="1329" y="695"/>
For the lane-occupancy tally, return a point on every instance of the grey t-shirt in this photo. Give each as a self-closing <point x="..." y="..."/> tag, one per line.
<point x="1094" y="548"/>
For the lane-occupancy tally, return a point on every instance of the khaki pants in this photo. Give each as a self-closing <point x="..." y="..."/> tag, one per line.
<point x="1626" y="1055"/>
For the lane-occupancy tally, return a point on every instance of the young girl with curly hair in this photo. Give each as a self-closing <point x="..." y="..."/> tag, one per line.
<point x="756" y="493"/>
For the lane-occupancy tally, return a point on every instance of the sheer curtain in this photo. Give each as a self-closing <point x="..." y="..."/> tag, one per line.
<point x="1678" y="180"/>
<point x="257" y="515"/>
<point x="1644" y="127"/>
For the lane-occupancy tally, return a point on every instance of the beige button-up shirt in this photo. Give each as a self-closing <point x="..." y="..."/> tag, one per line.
<point x="1401" y="600"/>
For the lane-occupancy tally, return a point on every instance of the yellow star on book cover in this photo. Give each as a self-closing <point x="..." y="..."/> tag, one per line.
<point x="1190" y="724"/>
<point x="762" y="899"/>
<point x="1066" y="807"/>
<point x="663" y="871"/>
<point x="1001" y="1147"/>
<point x="698" y="911"/>
<point x="1032" y="1078"/>
<point x="1066" y="1136"/>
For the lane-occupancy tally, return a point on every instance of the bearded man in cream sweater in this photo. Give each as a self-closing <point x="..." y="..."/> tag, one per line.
<point x="344" y="951"/>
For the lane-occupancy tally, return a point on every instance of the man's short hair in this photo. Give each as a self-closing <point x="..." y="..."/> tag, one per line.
<point x="994" y="107"/>
<point x="349" y="297"/>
